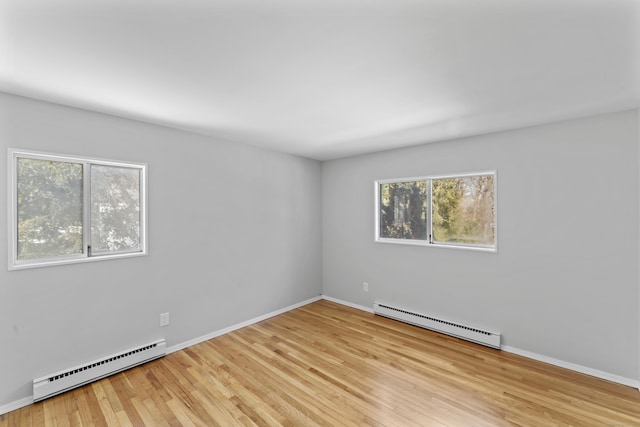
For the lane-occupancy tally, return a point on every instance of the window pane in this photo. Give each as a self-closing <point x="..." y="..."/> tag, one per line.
<point x="115" y="209"/>
<point x="49" y="208"/>
<point x="403" y="210"/>
<point x="464" y="210"/>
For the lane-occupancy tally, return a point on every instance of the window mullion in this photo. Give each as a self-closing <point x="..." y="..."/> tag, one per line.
<point x="13" y="225"/>
<point x="86" y="208"/>
<point x="429" y="211"/>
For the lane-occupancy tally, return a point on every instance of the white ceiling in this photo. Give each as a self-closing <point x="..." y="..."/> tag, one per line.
<point x="326" y="78"/>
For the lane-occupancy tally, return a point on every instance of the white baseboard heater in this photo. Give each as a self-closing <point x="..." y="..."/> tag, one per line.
<point x="479" y="336"/>
<point x="71" y="378"/>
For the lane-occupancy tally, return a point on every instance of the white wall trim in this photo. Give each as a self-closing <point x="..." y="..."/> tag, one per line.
<point x="12" y="406"/>
<point x="573" y="367"/>
<point x="530" y="355"/>
<point x="348" y="304"/>
<point x="240" y="325"/>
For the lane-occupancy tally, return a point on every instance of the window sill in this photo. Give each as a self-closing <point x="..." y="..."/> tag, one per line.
<point x="24" y="265"/>
<point x="424" y="243"/>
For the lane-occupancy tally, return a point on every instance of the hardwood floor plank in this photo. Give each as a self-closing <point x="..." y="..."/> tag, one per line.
<point x="84" y="410"/>
<point x="289" y="392"/>
<point x="325" y="364"/>
<point x="37" y="414"/>
<point x="49" y="414"/>
<point x="104" y="403"/>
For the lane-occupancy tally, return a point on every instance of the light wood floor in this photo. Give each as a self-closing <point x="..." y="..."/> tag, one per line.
<point x="326" y="364"/>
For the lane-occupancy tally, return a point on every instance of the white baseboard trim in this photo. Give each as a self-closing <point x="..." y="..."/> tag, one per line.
<point x="16" y="405"/>
<point x="530" y="355"/>
<point x="348" y="304"/>
<point x="573" y="367"/>
<point x="232" y="328"/>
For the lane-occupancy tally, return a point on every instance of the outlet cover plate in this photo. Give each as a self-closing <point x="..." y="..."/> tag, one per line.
<point x="164" y="319"/>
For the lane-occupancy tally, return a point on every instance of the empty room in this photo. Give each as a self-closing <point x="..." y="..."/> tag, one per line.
<point x="354" y="212"/>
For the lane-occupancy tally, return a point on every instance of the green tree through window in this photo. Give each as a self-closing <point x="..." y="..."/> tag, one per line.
<point x="463" y="210"/>
<point x="67" y="209"/>
<point x="115" y="209"/>
<point x="456" y="210"/>
<point x="49" y="208"/>
<point x="403" y="210"/>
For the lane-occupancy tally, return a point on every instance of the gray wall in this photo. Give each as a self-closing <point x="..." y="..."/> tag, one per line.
<point x="234" y="233"/>
<point x="564" y="283"/>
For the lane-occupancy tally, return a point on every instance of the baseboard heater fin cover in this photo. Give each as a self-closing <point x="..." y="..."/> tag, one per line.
<point x="59" y="382"/>
<point x="479" y="336"/>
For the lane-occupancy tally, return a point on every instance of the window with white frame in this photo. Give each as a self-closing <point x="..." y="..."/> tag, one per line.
<point x="452" y="210"/>
<point x="67" y="209"/>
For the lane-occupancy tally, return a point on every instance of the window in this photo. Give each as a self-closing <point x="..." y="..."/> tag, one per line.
<point x="456" y="211"/>
<point x="69" y="209"/>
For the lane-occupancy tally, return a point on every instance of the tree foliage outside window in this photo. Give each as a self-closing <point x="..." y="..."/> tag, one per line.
<point x="453" y="210"/>
<point x="403" y="210"/>
<point x="68" y="209"/>
<point x="115" y="209"/>
<point x="464" y="210"/>
<point x="49" y="208"/>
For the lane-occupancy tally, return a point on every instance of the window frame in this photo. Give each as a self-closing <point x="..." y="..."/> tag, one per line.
<point x="86" y="255"/>
<point x="429" y="213"/>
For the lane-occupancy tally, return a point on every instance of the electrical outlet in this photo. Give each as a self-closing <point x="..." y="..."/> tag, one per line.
<point x="365" y="286"/>
<point x="164" y="319"/>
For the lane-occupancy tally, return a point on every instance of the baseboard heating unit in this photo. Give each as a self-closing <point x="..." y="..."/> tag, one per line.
<point x="68" y="379"/>
<point x="490" y="339"/>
